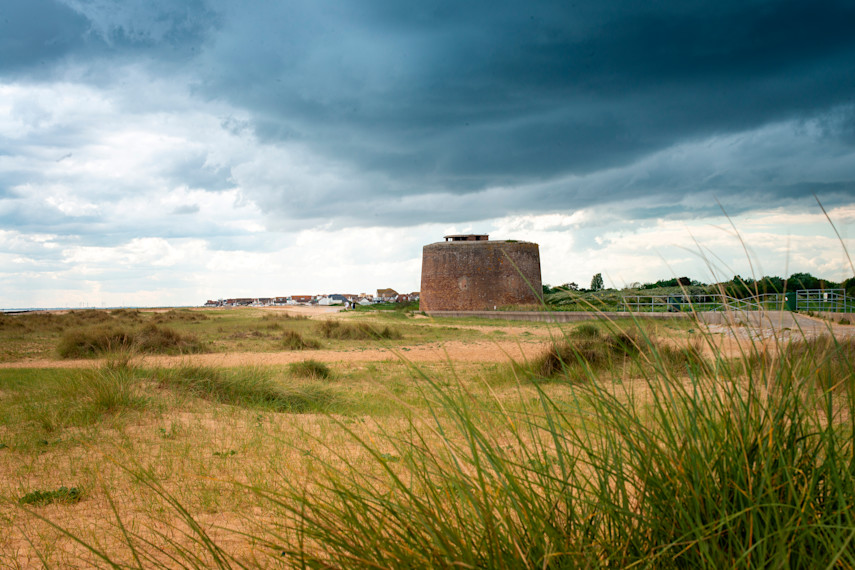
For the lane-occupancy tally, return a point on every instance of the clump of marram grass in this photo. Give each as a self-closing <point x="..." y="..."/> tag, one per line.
<point x="184" y="315"/>
<point x="92" y="341"/>
<point x="292" y="340"/>
<point x="247" y="387"/>
<point x="311" y="369"/>
<point x="585" y="330"/>
<point x="164" y="340"/>
<point x="284" y="316"/>
<point x="588" y="352"/>
<point x="134" y="315"/>
<point x="585" y="351"/>
<point x="113" y="388"/>
<point x="107" y="339"/>
<point x="355" y="331"/>
<point x="828" y="361"/>
<point x="73" y="398"/>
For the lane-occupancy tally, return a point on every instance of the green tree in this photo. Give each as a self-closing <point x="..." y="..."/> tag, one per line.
<point x="597" y="282"/>
<point x="799" y="281"/>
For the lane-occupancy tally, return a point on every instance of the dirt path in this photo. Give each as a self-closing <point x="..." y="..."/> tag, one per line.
<point x="455" y="351"/>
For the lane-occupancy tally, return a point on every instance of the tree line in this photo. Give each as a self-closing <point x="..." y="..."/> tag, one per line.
<point x="738" y="287"/>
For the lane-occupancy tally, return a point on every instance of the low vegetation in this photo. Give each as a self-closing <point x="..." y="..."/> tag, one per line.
<point x="311" y="369"/>
<point x="107" y="339"/>
<point x="91" y="333"/>
<point x="356" y="331"/>
<point x="400" y="309"/>
<point x="44" y="403"/>
<point x="620" y="445"/>
<point x="292" y="340"/>
<point x="40" y="498"/>
<point x="248" y="387"/>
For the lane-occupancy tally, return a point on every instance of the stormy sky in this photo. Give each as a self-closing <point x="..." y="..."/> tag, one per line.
<point x="158" y="152"/>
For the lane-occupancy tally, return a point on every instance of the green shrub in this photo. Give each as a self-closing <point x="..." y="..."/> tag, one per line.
<point x="61" y="495"/>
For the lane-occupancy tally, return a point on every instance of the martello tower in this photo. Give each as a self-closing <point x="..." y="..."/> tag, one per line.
<point x="472" y="273"/>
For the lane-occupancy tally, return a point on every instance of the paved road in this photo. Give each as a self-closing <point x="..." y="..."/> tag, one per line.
<point x="765" y="324"/>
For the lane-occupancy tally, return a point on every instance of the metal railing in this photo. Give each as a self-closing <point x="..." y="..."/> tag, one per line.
<point x="824" y="301"/>
<point x="809" y="300"/>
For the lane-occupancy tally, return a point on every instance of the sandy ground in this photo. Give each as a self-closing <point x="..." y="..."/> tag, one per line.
<point x="454" y="351"/>
<point x="519" y="343"/>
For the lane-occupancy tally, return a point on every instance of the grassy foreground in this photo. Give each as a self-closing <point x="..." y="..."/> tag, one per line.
<point x="615" y="448"/>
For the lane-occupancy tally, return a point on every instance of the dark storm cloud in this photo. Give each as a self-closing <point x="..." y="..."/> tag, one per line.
<point x="480" y="94"/>
<point x="35" y="33"/>
<point x="487" y="106"/>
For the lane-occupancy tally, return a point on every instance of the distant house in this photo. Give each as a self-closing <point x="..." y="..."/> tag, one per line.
<point x="386" y="295"/>
<point x="301" y="299"/>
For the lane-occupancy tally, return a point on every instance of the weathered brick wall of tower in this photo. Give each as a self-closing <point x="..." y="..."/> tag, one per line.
<point x="470" y="275"/>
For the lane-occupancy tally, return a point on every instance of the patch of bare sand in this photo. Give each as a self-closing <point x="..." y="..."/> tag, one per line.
<point x="456" y="351"/>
